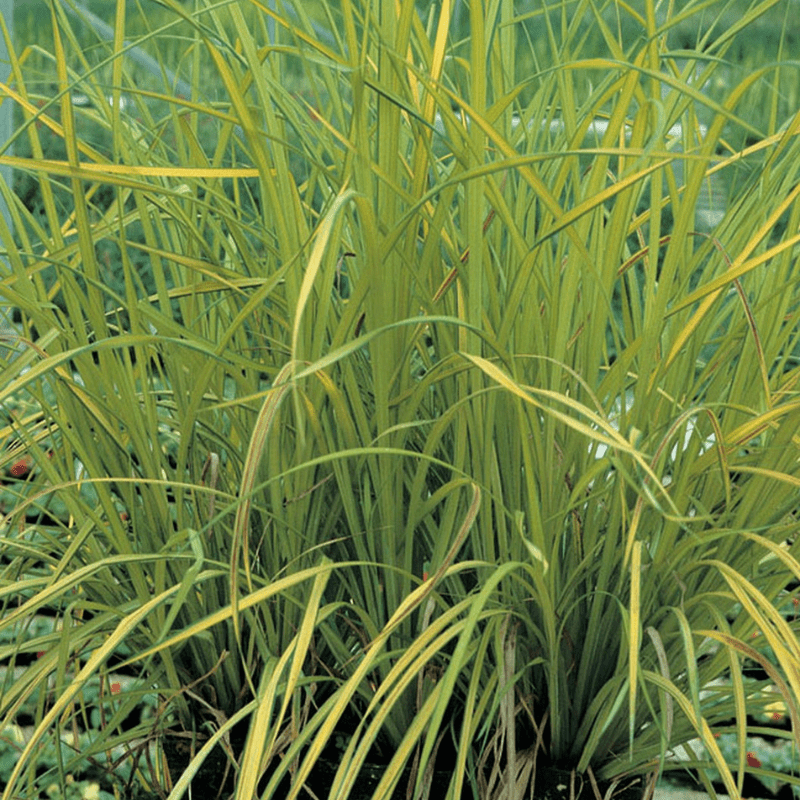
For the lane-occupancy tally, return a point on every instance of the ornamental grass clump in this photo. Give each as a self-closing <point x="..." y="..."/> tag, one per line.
<point x="390" y="413"/>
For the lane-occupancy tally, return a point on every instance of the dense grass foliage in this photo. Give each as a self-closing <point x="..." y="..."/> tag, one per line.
<point x="390" y="408"/>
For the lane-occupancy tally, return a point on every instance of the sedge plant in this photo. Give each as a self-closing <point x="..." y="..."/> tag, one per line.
<point x="389" y="409"/>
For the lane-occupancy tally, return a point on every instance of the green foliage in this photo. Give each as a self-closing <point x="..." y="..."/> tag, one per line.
<point x="420" y="424"/>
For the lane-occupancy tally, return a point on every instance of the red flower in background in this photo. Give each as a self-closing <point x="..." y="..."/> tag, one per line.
<point x="752" y="760"/>
<point x="22" y="467"/>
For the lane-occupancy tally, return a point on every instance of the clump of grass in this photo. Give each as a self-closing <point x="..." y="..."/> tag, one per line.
<point x="415" y="423"/>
